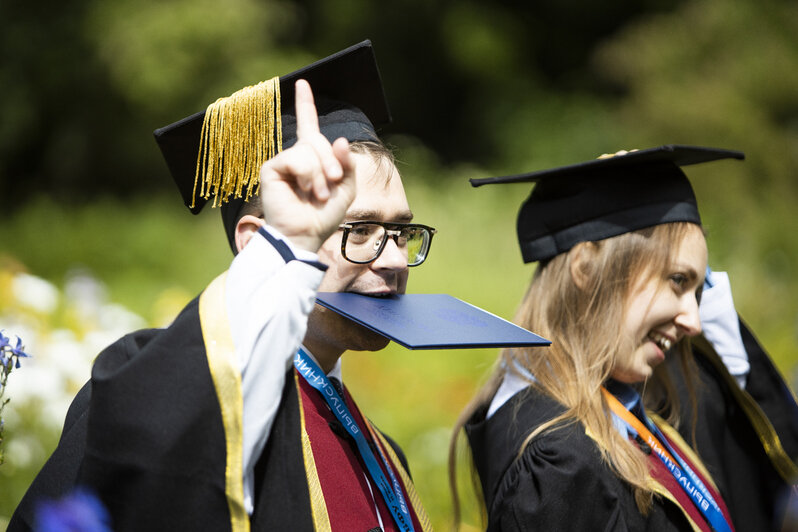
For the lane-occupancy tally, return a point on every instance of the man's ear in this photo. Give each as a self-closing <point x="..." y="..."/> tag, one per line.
<point x="581" y="263"/>
<point x="246" y="227"/>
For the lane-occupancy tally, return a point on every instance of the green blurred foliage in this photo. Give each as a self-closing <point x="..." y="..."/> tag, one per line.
<point x="139" y="248"/>
<point x="167" y="56"/>
<point x="475" y="89"/>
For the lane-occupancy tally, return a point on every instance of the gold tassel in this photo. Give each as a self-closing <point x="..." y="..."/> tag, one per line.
<point x="239" y="134"/>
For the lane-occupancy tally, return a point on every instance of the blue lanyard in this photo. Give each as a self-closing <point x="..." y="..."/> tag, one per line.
<point x="391" y="492"/>
<point x="694" y="486"/>
<point x="687" y="479"/>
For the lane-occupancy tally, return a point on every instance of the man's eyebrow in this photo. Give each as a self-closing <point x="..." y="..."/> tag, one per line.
<point x="378" y="216"/>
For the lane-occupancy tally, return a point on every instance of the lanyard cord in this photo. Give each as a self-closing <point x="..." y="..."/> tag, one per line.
<point x="689" y="481"/>
<point x="391" y="491"/>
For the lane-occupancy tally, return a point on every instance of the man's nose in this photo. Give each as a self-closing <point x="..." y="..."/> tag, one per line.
<point x="392" y="257"/>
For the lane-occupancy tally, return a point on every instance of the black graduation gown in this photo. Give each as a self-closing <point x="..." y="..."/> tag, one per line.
<point x="560" y="481"/>
<point x="147" y="435"/>
<point x="154" y="390"/>
<point x="732" y="424"/>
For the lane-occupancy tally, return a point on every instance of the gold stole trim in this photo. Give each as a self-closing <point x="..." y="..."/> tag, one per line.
<point x="318" y="506"/>
<point x="415" y="501"/>
<point x="771" y="443"/>
<point x="227" y="382"/>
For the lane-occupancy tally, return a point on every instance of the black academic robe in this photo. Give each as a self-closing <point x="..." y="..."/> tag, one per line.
<point x="748" y="439"/>
<point x="153" y="388"/>
<point x="148" y="436"/>
<point x="560" y="481"/>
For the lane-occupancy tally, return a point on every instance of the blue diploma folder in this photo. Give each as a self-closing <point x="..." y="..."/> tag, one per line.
<point x="429" y="321"/>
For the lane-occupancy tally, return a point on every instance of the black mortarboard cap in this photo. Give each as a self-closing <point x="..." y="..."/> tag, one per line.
<point x="349" y="99"/>
<point x="606" y="197"/>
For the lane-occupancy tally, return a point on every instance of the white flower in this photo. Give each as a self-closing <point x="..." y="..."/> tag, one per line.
<point x="117" y="319"/>
<point x="85" y="294"/>
<point x="35" y="293"/>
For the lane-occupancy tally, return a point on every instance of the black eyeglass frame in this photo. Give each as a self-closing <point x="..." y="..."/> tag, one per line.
<point x="391" y="231"/>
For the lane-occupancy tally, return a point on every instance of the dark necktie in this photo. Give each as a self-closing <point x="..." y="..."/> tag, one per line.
<point x="337" y="385"/>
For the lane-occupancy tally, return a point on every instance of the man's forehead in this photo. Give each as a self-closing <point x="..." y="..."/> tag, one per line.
<point x="380" y="194"/>
<point x="374" y="169"/>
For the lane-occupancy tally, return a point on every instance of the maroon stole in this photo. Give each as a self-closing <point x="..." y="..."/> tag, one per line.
<point x="661" y="474"/>
<point x="341" y="475"/>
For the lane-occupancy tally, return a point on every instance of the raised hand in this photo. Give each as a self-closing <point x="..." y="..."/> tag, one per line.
<point x="306" y="189"/>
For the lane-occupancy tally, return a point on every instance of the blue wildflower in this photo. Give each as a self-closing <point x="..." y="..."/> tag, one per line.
<point x="5" y="342"/>
<point x="18" y="350"/>
<point x="79" y="511"/>
<point x="9" y="359"/>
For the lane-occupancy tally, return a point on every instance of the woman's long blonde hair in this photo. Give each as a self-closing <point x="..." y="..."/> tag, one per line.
<point x="583" y="320"/>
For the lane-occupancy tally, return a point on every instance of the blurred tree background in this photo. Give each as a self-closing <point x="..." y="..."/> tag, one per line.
<point x="475" y="89"/>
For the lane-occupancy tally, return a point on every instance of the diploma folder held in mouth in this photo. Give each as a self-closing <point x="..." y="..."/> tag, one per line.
<point x="429" y="321"/>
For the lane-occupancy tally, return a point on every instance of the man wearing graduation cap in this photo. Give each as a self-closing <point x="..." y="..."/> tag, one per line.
<point x="746" y="428"/>
<point x="233" y="418"/>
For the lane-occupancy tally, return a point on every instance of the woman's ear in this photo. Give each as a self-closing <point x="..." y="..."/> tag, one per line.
<point x="246" y="227"/>
<point x="582" y="257"/>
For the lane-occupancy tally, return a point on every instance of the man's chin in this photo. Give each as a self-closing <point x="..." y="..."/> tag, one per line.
<point x="328" y="327"/>
<point x="365" y="339"/>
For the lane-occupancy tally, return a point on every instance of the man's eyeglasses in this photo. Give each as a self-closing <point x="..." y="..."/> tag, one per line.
<point x="364" y="241"/>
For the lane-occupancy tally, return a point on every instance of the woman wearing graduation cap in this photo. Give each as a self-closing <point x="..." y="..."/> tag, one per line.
<point x="580" y="435"/>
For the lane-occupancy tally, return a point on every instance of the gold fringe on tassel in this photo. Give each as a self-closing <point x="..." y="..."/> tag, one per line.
<point x="238" y="136"/>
